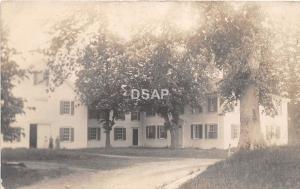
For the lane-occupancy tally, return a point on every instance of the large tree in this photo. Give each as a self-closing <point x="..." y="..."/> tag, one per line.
<point x="238" y="44"/>
<point x="85" y="52"/>
<point x="162" y="61"/>
<point x="10" y="75"/>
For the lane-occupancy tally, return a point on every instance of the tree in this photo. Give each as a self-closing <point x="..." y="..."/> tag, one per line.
<point x="99" y="82"/>
<point x="10" y="74"/>
<point x="162" y="61"/>
<point x="238" y="44"/>
<point x="96" y="60"/>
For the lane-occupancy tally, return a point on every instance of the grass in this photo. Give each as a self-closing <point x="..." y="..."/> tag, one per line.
<point x="84" y="160"/>
<point x="272" y="168"/>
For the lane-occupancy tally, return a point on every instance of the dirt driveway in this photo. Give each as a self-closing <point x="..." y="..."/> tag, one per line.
<point x="166" y="174"/>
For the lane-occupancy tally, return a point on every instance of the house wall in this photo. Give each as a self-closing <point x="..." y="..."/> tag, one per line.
<point x="157" y="142"/>
<point x="265" y="120"/>
<point x="280" y="121"/>
<point x="203" y="118"/>
<point x="127" y="123"/>
<point x="43" y="108"/>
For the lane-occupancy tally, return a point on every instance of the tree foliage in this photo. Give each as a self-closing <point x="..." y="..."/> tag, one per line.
<point x="10" y="75"/>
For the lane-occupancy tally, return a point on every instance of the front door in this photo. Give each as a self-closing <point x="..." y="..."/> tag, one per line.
<point x="135" y="137"/>
<point x="33" y="136"/>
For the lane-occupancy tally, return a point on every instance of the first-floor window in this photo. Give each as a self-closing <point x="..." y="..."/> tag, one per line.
<point x="273" y="132"/>
<point x="94" y="133"/>
<point x="212" y="131"/>
<point x="150" y="132"/>
<point x="119" y="133"/>
<point x="161" y="132"/>
<point x="66" y="134"/>
<point x="196" y="131"/>
<point x="234" y="131"/>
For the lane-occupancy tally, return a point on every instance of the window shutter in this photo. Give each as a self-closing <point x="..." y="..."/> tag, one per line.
<point x="205" y="131"/>
<point x="158" y="131"/>
<point x="72" y="107"/>
<point x="124" y="133"/>
<point x="61" y="107"/>
<point x="61" y="134"/>
<point x="115" y="134"/>
<point x="215" y="104"/>
<point x="192" y="134"/>
<point x="72" y="134"/>
<point x="216" y="130"/>
<point x="98" y="133"/>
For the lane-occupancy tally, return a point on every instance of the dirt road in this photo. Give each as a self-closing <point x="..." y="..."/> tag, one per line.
<point x="149" y="175"/>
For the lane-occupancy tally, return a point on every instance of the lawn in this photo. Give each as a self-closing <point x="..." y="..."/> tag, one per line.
<point x="272" y="168"/>
<point x="64" y="162"/>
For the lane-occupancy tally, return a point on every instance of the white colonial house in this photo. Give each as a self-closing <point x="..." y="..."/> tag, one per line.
<point x="58" y="116"/>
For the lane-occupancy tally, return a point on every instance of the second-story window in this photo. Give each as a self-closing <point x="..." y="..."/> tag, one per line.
<point x="120" y="116"/>
<point x="135" y="116"/>
<point x="212" y="103"/>
<point x="41" y="77"/>
<point x="67" y="107"/>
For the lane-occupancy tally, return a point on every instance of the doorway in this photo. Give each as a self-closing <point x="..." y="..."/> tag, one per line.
<point x="33" y="136"/>
<point x="135" y="137"/>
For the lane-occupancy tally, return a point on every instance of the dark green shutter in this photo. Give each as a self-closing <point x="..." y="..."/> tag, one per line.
<point x="205" y="131"/>
<point x="115" y="134"/>
<point x="98" y="133"/>
<point x="201" y="131"/>
<point x="215" y="104"/>
<point x="124" y="133"/>
<point x="158" y="132"/>
<point x="72" y="107"/>
<point x="61" y="134"/>
<point x="192" y="134"/>
<point x="72" y="134"/>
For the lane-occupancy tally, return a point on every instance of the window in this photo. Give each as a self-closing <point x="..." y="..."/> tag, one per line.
<point x="119" y="133"/>
<point x="234" y="131"/>
<point x="150" y="113"/>
<point x="272" y="132"/>
<point x="94" y="133"/>
<point x="67" y="107"/>
<point x="196" y="110"/>
<point x="40" y="77"/>
<point x="196" y="131"/>
<point x="212" y="104"/>
<point x="150" y="132"/>
<point x="135" y="116"/>
<point x="211" y="131"/>
<point x="66" y="134"/>
<point x="161" y="132"/>
<point x="120" y="116"/>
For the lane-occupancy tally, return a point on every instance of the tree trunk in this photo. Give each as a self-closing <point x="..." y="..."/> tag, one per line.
<point x="173" y="128"/>
<point x="107" y="139"/>
<point x="107" y="128"/>
<point x="250" y="134"/>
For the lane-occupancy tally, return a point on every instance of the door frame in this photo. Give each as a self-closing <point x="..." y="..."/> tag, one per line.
<point x="137" y="136"/>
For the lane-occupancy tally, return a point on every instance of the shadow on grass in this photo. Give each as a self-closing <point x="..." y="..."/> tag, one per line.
<point x="272" y="168"/>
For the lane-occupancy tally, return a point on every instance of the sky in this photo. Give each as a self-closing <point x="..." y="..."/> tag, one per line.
<point x="28" y="23"/>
